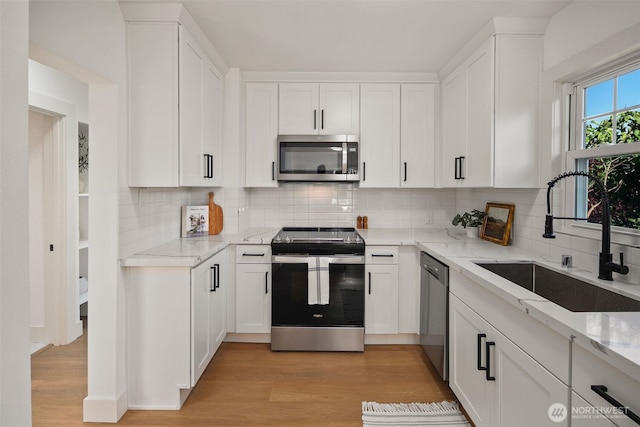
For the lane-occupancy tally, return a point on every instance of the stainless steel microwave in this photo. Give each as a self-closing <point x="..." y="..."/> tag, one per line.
<point x="318" y="158"/>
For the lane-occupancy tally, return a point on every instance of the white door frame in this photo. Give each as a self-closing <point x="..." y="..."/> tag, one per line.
<point x="62" y="313"/>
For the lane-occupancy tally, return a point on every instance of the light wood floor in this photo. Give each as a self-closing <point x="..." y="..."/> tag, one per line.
<point x="248" y="385"/>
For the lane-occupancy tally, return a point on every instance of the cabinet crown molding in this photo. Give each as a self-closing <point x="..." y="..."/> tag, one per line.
<point x="498" y="25"/>
<point x="173" y="12"/>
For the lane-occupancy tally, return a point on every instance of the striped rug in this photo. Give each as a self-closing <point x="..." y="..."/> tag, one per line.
<point x="446" y="413"/>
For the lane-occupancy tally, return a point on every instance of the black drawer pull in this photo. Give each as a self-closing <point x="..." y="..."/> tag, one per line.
<point x="382" y="255"/>
<point x="488" y="346"/>
<point x="601" y="390"/>
<point x="479" y="352"/>
<point x="249" y="254"/>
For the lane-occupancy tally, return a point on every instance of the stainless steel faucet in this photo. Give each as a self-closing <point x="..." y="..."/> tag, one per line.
<point x="606" y="266"/>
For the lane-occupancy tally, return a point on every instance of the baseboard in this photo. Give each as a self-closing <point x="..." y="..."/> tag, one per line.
<point x="372" y="339"/>
<point x="104" y="411"/>
<point x="39" y="334"/>
<point x="248" y="338"/>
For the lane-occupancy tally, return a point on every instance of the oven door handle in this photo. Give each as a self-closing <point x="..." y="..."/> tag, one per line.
<point x="304" y="259"/>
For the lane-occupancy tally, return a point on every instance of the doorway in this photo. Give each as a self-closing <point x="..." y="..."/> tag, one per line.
<point x="54" y="222"/>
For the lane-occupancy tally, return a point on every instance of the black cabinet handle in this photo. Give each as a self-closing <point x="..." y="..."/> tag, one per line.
<point x="208" y="165"/>
<point x="369" y="283"/>
<point x="212" y="287"/>
<point x="322" y="119"/>
<point x="479" y="352"/>
<point x="405" y="171"/>
<point x="315" y="117"/>
<point x="217" y="266"/>
<point x="461" y="169"/>
<point x="382" y="255"/>
<point x="601" y="391"/>
<point x="487" y="346"/>
<point x="273" y="171"/>
<point x="266" y="282"/>
<point x="250" y="254"/>
<point x="364" y="171"/>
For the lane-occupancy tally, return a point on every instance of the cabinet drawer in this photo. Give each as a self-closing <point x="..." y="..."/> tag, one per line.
<point x="589" y="370"/>
<point x="253" y="254"/>
<point x="381" y="255"/>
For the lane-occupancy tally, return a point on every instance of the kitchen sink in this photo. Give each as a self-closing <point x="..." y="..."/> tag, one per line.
<point x="568" y="292"/>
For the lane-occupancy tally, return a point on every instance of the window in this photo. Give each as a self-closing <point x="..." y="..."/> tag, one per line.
<point x="606" y="143"/>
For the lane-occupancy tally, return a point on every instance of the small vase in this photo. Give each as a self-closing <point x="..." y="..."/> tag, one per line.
<point x="472" y="232"/>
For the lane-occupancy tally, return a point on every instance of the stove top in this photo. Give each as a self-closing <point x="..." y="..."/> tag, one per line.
<point x="317" y="241"/>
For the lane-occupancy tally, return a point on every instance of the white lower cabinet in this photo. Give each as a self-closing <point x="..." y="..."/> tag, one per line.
<point x="585" y="415"/>
<point x="175" y="323"/>
<point x="253" y="289"/>
<point x="497" y="382"/>
<point x="381" y="290"/>
<point x="598" y="383"/>
<point x="208" y="314"/>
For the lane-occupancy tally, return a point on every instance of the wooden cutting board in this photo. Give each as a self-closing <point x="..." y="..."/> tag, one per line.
<point x="215" y="216"/>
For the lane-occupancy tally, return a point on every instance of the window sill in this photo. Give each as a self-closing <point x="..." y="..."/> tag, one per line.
<point x="594" y="231"/>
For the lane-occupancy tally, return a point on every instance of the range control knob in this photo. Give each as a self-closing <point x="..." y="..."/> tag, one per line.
<point x="287" y="239"/>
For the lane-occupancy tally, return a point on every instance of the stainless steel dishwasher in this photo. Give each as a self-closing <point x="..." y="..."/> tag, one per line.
<point x="434" y="312"/>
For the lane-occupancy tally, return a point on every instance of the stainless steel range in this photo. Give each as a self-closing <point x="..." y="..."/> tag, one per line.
<point x="318" y="290"/>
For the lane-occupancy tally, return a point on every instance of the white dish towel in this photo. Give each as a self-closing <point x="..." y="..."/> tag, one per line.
<point x="318" y="281"/>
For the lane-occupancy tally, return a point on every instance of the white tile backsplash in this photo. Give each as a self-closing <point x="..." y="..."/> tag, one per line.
<point x="151" y="216"/>
<point x="338" y="205"/>
<point x="528" y="227"/>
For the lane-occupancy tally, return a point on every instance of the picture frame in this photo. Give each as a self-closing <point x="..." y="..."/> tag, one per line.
<point x="497" y="223"/>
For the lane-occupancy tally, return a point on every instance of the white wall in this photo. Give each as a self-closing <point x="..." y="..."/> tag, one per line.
<point x="15" y="379"/>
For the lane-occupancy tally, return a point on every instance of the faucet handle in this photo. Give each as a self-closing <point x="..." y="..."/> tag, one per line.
<point x="621" y="259"/>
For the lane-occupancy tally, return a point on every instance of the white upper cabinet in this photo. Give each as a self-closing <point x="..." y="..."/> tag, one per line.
<point x="261" y="134"/>
<point x="397" y="135"/>
<point x="175" y="108"/>
<point x="491" y="115"/>
<point x="200" y="117"/>
<point x="380" y="135"/>
<point x="417" y="135"/>
<point x="325" y="109"/>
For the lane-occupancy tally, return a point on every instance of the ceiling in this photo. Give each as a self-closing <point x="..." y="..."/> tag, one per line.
<point x="350" y="35"/>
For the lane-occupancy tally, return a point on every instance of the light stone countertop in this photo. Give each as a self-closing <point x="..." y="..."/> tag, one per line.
<point x="189" y="252"/>
<point x="614" y="337"/>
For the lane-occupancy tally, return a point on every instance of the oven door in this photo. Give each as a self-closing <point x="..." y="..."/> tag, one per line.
<point x="294" y="305"/>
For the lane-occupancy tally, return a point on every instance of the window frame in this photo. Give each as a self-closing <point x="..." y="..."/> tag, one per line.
<point x="574" y="95"/>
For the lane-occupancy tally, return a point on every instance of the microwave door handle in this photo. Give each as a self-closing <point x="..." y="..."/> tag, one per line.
<point x="345" y="154"/>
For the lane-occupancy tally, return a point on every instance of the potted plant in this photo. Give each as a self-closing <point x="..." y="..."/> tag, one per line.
<point x="472" y="219"/>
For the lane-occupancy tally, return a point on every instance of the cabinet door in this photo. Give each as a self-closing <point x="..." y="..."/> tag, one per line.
<point x="454" y="126"/>
<point x="208" y="312"/>
<point x="381" y="299"/>
<point x="253" y="298"/>
<point x="193" y="162"/>
<point x="524" y="390"/>
<point x="478" y="164"/>
<point x="261" y="135"/>
<point x="212" y="133"/>
<point x="200" y="116"/>
<point x="152" y="70"/>
<point x="417" y="135"/>
<point x="218" y="300"/>
<point x="298" y="113"/>
<point x="468" y="334"/>
<point x="339" y="108"/>
<point x="202" y="286"/>
<point x="380" y="135"/>
<point x="586" y="415"/>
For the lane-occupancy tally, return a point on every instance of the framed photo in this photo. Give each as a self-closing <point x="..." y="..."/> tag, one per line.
<point x="497" y="223"/>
